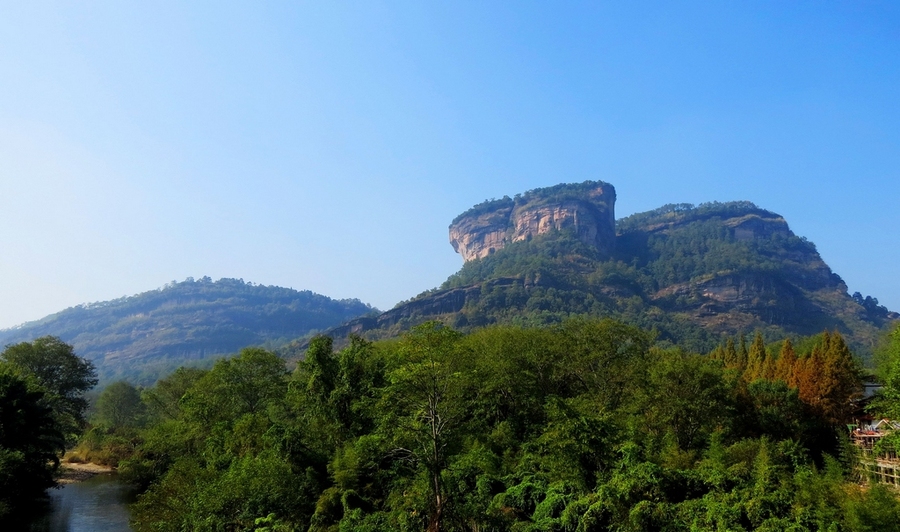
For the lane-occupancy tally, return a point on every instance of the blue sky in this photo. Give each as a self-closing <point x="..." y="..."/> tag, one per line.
<point x="327" y="146"/>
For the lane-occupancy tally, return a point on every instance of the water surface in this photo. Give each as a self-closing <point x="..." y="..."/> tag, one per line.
<point x="98" y="504"/>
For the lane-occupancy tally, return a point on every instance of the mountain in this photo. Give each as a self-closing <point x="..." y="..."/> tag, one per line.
<point x="149" y="334"/>
<point x="696" y="274"/>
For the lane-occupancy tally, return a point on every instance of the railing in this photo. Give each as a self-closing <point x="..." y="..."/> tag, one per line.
<point x="881" y="465"/>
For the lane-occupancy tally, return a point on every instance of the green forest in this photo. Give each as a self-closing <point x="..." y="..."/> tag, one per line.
<point x="586" y="425"/>
<point x="148" y="335"/>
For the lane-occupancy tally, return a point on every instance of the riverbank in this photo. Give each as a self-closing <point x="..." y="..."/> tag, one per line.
<point x="76" y="472"/>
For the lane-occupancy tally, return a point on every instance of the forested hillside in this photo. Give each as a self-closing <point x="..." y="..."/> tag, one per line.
<point x="149" y="334"/>
<point x="694" y="274"/>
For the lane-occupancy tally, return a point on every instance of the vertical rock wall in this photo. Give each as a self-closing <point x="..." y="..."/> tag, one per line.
<point x="588" y="209"/>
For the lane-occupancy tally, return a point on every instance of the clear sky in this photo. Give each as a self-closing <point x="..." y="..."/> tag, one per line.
<point x="328" y="145"/>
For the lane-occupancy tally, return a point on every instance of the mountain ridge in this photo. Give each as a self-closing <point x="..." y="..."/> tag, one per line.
<point x="695" y="274"/>
<point x="148" y="334"/>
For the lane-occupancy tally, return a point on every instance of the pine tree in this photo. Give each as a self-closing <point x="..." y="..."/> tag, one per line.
<point x="826" y="341"/>
<point x="742" y="354"/>
<point x="718" y="353"/>
<point x="769" y="367"/>
<point x="784" y="367"/>
<point x="731" y="356"/>
<point x="808" y="372"/>
<point x="756" y="359"/>
<point x="840" y="379"/>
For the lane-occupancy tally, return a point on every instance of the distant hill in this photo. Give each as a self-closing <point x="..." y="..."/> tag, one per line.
<point x="149" y="334"/>
<point x="694" y="273"/>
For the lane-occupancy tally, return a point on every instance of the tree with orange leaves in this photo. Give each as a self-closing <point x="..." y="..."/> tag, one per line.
<point x="807" y="371"/>
<point x="840" y="381"/>
<point x="784" y="367"/>
<point x="829" y="379"/>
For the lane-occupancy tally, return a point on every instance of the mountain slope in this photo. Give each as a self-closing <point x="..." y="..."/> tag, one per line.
<point x="695" y="274"/>
<point x="148" y="334"/>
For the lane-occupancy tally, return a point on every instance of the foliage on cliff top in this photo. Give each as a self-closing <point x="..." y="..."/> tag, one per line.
<point x="688" y="212"/>
<point x="546" y="195"/>
<point x="158" y="330"/>
<point x="702" y="241"/>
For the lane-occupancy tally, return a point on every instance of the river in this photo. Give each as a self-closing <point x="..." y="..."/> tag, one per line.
<point x="98" y="504"/>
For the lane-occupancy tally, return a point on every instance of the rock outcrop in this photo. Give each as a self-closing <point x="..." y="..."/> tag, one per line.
<point x="587" y="209"/>
<point x="695" y="274"/>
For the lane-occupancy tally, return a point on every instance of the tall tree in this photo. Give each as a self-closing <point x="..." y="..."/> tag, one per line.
<point x="685" y="396"/>
<point x="841" y="379"/>
<point x="742" y="354"/>
<point x="120" y="406"/>
<point x="602" y="356"/>
<point x="807" y="373"/>
<point x="784" y="367"/>
<point x="312" y="387"/>
<point x="887" y="403"/>
<point x="731" y="354"/>
<point x="718" y="353"/>
<point x="164" y="399"/>
<point x="245" y="384"/>
<point x="756" y="359"/>
<point x="30" y="443"/>
<point x="829" y="378"/>
<point x="425" y="408"/>
<point x="63" y="375"/>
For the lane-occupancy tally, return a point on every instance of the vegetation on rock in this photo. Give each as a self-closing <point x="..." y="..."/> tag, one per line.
<point x="696" y="275"/>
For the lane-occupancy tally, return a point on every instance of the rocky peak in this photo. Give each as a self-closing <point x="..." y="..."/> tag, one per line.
<point x="587" y="209"/>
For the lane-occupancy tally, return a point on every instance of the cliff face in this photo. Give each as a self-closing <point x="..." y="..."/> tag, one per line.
<point x="587" y="209"/>
<point x="479" y="235"/>
<point x="693" y="273"/>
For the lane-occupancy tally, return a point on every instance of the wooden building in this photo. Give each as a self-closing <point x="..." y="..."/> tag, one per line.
<point x="877" y="461"/>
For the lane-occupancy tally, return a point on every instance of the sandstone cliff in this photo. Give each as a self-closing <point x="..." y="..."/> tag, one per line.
<point x="694" y="274"/>
<point x="587" y="209"/>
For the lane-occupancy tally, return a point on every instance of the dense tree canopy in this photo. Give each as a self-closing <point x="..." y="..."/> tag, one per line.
<point x="581" y="426"/>
<point x="30" y="443"/>
<point x="889" y="370"/>
<point x="119" y="406"/>
<point x="42" y="403"/>
<point x="61" y="374"/>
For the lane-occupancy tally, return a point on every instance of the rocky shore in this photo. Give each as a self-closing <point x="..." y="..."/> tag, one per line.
<point x="74" y="472"/>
